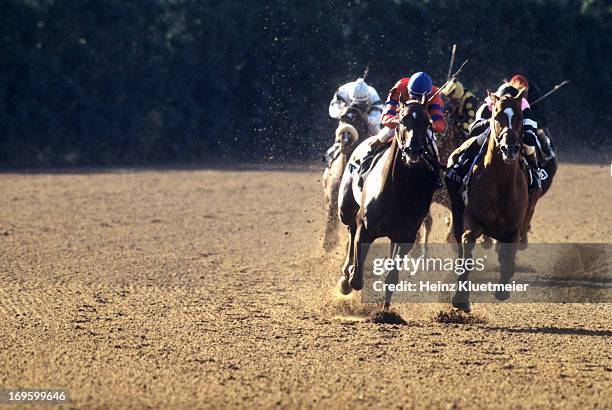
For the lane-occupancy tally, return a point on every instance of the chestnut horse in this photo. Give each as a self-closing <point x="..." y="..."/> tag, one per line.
<point x="395" y="197"/>
<point x="498" y="203"/>
<point x="352" y="128"/>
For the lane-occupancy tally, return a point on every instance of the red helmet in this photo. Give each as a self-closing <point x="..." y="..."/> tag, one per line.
<point x="519" y="81"/>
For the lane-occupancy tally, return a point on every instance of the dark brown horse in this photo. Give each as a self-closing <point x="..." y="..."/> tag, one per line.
<point x="395" y="197"/>
<point x="498" y="201"/>
<point x="352" y="128"/>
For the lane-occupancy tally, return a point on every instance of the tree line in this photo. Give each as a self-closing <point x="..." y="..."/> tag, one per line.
<point x="101" y="82"/>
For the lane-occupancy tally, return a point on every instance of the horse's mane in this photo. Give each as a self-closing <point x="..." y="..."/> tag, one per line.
<point x="390" y="163"/>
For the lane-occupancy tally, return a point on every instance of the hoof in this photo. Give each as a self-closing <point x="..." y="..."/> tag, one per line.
<point x="487" y="242"/>
<point x="502" y="295"/>
<point x="356" y="281"/>
<point x="464" y="307"/>
<point x="523" y="244"/>
<point x="343" y="285"/>
<point x="461" y="302"/>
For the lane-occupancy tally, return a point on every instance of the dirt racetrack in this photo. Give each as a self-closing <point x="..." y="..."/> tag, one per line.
<point x="209" y="289"/>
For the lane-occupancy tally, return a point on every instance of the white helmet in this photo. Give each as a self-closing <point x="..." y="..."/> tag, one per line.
<point x="361" y="92"/>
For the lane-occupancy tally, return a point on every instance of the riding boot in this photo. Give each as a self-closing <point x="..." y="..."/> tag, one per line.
<point x="462" y="165"/>
<point x="535" y="181"/>
<point x="546" y="144"/>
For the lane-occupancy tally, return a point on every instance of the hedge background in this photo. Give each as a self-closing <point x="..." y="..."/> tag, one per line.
<point x="101" y="82"/>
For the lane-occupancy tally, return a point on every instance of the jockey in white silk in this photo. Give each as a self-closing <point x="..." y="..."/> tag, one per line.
<point x="362" y="96"/>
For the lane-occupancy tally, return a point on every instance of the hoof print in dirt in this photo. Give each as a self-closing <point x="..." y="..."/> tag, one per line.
<point x="385" y="317"/>
<point x="457" y="317"/>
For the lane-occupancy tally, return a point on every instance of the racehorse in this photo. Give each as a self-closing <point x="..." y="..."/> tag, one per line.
<point x="549" y="166"/>
<point x="498" y="204"/>
<point x="353" y="127"/>
<point x="395" y="197"/>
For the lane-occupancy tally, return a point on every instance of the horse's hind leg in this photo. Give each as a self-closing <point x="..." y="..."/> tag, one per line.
<point x="487" y="242"/>
<point x="360" y="250"/>
<point x="343" y="283"/>
<point x="524" y="236"/>
<point x="448" y="221"/>
<point x="461" y="299"/>
<point x="398" y="249"/>
<point x="457" y="209"/>
<point x="427" y="223"/>
<point x="506" y="254"/>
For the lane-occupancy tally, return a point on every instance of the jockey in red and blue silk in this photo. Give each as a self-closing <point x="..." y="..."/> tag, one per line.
<point x="409" y="88"/>
<point x="415" y="87"/>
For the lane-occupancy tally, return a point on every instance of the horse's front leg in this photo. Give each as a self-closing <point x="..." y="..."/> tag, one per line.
<point x="448" y="221"/>
<point x="472" y="230"/>
<point x="427" y="223"/>
<point x="343" y="283"/>
<point x="400" y="248"/>
<point x="524" y="239"/>
<point x="360" y="250"/>
<point x="457" y="211"/>
<point x="506" y="255"/>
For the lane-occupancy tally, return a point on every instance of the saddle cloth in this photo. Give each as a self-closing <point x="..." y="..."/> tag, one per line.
<point x="364" y="165"/>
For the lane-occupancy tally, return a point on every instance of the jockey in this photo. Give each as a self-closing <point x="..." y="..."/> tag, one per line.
<point x="460" y="161"/>
<point x="533" y="93"/>
<point x="405" y="89"/>
<point x="409" y="88"/>
<point x="360" y="95"/>
<point x="462" y="107"/>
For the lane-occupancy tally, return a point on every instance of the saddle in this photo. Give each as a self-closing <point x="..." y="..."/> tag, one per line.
<point x="464" y="189"/>
<point x="535" y="181"/>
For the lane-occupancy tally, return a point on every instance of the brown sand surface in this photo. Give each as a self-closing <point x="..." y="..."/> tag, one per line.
<point x="209" y="289"/>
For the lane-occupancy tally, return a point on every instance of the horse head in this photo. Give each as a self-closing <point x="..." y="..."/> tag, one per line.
<point x="354" y="116"/>
<point x="411" y="133"/>
<point x="507" y="125"/>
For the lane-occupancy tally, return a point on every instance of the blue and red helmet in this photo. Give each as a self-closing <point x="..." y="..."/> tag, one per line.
<point x="419" y="84"/>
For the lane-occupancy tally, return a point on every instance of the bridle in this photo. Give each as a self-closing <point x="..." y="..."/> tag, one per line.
<point x="505" y="131"/>
<point x="404" y="147"/>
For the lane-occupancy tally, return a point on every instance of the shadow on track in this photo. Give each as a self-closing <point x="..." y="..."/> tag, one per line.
<point x="553" y="330"/>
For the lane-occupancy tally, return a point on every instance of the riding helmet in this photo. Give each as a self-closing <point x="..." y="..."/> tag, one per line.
<point x="519" y="81"/>
<point x="361" y="91"/>
<point x="420" y="84"/>
<point x="506" y="89"/>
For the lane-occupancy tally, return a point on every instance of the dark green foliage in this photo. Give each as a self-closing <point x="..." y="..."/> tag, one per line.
<point x="139" y="81"/>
